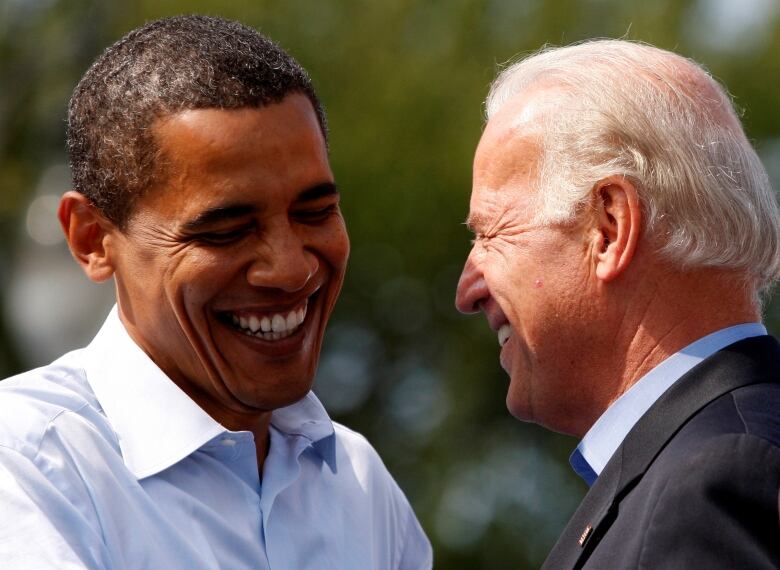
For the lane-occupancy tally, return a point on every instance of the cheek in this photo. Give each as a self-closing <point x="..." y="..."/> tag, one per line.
<point x="524" y="292"/>
<point x="198" y="278"/>
<point x="520" y="278"/>
<point x="333" y="245"/>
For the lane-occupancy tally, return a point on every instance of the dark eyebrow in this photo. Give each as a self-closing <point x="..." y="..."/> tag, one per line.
<point x="221" y="213"/>
<point x="317" y="192"/>
<point x="217" y="214"/>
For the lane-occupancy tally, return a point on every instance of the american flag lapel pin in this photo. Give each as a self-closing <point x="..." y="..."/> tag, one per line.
<point x="585" y="534"/>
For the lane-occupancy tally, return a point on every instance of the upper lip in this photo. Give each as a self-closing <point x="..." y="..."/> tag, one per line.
<point x="494" y="315"/>
<point x="278" y="305"/>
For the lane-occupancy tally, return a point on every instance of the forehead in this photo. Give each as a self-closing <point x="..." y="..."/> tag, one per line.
<point x="511" y="143"/>
<point x="508" y="156"/>
<point x="211" y="155"/>
<point x="505" y="166"/>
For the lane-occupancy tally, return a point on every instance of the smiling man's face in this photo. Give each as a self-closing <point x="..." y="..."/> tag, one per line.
<point x="229" y="268"/>
<point x="533" y="282"/>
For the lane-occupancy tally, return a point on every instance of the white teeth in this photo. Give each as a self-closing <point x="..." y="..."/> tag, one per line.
<point x="503" y="333"/>
<point x="278" y="323"/>
<point x="265" y="324"/>
<point x="270" y="327"/>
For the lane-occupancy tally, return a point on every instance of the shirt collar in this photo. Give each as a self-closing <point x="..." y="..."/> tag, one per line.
<point x="307" y="418"/>
<point x="156" y="423"/>
<point x="609" y="431"/>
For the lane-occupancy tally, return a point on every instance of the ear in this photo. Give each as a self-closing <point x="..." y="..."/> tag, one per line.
<point x="618" y="221"/>
<point x="88" y="233"/>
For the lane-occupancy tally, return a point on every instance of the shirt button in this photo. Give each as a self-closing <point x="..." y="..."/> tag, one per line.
<point x="228" y="442"/>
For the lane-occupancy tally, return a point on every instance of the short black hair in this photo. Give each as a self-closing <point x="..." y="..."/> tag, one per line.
<point x="166" y="66"/>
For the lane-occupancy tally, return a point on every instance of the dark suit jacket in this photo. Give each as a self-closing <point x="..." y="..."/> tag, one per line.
<point x="695" y="483"/>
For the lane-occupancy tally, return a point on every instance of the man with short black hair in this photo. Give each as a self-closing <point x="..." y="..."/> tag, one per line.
<point x="186" y="435"/>
<point x="625" y="233"/>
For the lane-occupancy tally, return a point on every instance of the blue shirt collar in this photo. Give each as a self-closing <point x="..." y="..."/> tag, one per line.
<point x="605" y="436"/>
<point x="143" y="404"/>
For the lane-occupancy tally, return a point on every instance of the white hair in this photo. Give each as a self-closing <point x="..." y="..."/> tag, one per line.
<point x="663" y="122"/>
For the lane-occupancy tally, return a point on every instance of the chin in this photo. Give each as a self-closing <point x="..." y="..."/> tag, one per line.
<point x="518" y="408"/>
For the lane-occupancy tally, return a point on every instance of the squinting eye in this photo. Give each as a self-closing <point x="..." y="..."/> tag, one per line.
<point x="222" y="238"/>
<point x="313" y="216"/>
<point x="478" y="239"/>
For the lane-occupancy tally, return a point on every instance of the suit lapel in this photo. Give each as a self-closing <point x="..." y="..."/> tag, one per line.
<point x="750" y="361"/>
<point x="587" y="520"/>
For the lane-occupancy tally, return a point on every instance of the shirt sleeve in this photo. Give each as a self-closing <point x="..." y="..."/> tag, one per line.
<point x="417" y="553"/>
<point x="39" y="525"/>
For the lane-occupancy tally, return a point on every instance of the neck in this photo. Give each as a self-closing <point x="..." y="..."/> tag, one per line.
<point x="659" y="318"/>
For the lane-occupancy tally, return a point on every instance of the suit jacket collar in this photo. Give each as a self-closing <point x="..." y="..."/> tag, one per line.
<point x="750" y="361"/>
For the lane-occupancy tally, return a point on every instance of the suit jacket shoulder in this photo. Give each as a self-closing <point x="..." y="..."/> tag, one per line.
<point x="695" y="483"/>
<point x="709" y="500"/>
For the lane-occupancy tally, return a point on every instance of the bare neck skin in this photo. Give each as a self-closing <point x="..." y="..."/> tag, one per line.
<point x="657" y="313"/>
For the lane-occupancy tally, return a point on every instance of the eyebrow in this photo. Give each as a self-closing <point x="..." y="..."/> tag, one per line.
<point x="474" y="222"/>
<point x="317" y="192"/>
<point x="232" y="211"/>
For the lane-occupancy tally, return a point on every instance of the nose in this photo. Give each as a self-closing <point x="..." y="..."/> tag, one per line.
<point x="472" y="289"/>
<point x="283" y="262"/>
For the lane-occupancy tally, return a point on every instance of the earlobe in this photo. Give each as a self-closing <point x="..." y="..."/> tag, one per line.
<point x="618" y="221"/>
<point x="89" y="235"/>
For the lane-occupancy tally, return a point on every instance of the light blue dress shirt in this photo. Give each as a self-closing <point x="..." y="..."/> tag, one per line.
<point x="609" y="431"/>
<point x="106" y="463"/>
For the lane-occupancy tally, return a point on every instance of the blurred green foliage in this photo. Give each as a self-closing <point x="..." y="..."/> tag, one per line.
<point x="403" y="83"/>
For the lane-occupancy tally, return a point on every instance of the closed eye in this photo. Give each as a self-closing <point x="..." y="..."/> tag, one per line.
<point x="316" y="215"/>
<point x="226" y="237"/>
<point x="478" y="237"/>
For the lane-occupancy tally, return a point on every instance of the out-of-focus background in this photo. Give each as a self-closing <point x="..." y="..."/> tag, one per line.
<point x="403" y="83"/>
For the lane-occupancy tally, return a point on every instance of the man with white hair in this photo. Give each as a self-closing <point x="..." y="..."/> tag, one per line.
<point x="625" y="231"/>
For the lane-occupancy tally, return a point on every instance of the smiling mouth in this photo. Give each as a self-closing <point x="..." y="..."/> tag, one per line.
<point x="267" y="325"/>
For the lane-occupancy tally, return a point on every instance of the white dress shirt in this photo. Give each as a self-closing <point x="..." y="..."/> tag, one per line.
<point x="106" y="463"/>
